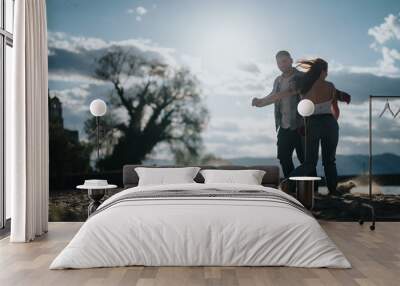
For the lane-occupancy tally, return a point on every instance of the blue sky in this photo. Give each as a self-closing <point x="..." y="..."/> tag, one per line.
<point x="274" y="24"/>
<point x="230" y="46"/>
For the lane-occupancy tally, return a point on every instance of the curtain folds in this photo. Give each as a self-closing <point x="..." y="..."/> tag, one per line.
<point x="27" y="120"/>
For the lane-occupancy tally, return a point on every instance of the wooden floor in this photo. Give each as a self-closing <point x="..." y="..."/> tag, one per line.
<point x="375" y="257"/>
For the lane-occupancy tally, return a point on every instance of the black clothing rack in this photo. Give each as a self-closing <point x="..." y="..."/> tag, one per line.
<point x="370" y="206"/>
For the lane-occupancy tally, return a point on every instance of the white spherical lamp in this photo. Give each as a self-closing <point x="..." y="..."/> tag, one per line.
<point x="305" y="107"/>
<point x="98" y="107"/>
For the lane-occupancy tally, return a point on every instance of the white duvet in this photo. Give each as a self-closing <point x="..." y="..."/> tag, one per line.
<point x="193" y="231"/>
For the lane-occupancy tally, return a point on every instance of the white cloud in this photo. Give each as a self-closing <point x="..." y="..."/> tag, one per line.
<point x="77" y="44"/>
<point x="73" y="78"/>
<point x="81" y="91"/>
<point x="389" y="58"/>
<point x="195" y="64"/>
<point x="251" y="79"/>
<point x="74" y="44"/>
<point x="141" y="10"/>
<point x="72" y="58"/>
<point x="73" y="98"/>
<point x="388" y="30"/>
<point x="229" y="136"/>
<point x="388" y="65"/>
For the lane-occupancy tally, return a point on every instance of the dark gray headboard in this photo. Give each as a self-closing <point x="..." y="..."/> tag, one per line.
<point x="270" y="179"/>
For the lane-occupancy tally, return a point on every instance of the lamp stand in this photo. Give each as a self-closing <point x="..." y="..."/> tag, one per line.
<point x="98" y="137"/>
<point x="305" y="138"/>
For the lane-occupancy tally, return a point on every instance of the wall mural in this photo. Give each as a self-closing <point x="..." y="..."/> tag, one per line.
<point x="179" y="79"/>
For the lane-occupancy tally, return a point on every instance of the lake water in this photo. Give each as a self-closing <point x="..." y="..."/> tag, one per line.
<point x="385" y="190"/>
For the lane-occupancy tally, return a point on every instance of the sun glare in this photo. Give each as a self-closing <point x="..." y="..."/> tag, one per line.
<point x="225" y="46"/>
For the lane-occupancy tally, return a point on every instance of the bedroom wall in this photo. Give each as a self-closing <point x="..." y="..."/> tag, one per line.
<point x="216" y="56"/>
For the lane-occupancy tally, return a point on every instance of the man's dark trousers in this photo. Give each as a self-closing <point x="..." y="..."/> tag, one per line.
<point x="288" y="141"/>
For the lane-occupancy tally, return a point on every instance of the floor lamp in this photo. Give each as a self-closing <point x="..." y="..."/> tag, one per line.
<point x="96" y="188"/>
<point x="98" y="108"/>
<point x="305" y="108"/>
<point x="305" y="185"/>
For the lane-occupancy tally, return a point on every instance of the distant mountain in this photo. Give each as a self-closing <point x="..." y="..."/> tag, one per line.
<point x="158" y="162"/>
<point x="346" y="164"/>
<point x="248" y="161"/>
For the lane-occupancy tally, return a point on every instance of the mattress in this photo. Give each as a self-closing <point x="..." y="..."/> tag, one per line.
<point x="201" y="225"/>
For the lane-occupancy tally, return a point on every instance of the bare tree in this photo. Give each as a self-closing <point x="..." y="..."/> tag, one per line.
<point x="161" y="104"/>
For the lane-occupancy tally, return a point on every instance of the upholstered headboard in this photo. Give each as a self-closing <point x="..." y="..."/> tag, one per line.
<point x="270" y="179"/>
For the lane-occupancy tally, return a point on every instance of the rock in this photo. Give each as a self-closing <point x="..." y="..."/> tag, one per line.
<point x="346" y="187"/>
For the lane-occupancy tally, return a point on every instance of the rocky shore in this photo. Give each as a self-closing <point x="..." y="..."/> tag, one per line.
<point x="350" y="207"/>
<point x="72" y="206"/>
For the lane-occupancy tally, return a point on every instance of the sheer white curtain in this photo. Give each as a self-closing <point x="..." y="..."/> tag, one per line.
<point x="27" y="122"/>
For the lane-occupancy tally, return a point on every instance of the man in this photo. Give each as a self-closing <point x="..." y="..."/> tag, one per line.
<point x="288" y="122"/>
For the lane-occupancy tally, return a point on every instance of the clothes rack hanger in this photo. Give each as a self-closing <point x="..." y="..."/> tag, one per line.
<point x="387" y="107"/>
<point x="397" y="113"/>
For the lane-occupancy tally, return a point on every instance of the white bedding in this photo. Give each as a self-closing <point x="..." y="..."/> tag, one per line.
<point x="200" y="231"/>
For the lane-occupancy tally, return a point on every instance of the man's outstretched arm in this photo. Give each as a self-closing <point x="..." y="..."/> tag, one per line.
<point x="271" y="98"/>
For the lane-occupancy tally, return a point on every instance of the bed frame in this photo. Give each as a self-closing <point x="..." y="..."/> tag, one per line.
<point x="270" y="179"/>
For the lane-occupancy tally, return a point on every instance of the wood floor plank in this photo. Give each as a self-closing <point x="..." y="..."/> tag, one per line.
<point x="375" y="257"/>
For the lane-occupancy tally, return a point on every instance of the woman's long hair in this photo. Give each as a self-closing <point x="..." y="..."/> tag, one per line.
<point x="314" y="69"/>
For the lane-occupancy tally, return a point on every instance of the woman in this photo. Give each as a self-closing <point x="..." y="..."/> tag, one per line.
<point x="322" y="125"/>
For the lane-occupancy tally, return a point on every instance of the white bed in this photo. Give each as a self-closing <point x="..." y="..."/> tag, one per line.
<point x="188" y="231"/>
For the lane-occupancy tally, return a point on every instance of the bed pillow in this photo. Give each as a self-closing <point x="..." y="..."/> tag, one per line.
<point x="164" y="176"/>
<point x="248" y="177"/>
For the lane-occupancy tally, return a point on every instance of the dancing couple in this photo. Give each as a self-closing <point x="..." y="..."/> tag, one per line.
<point x="288" y="89"/>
